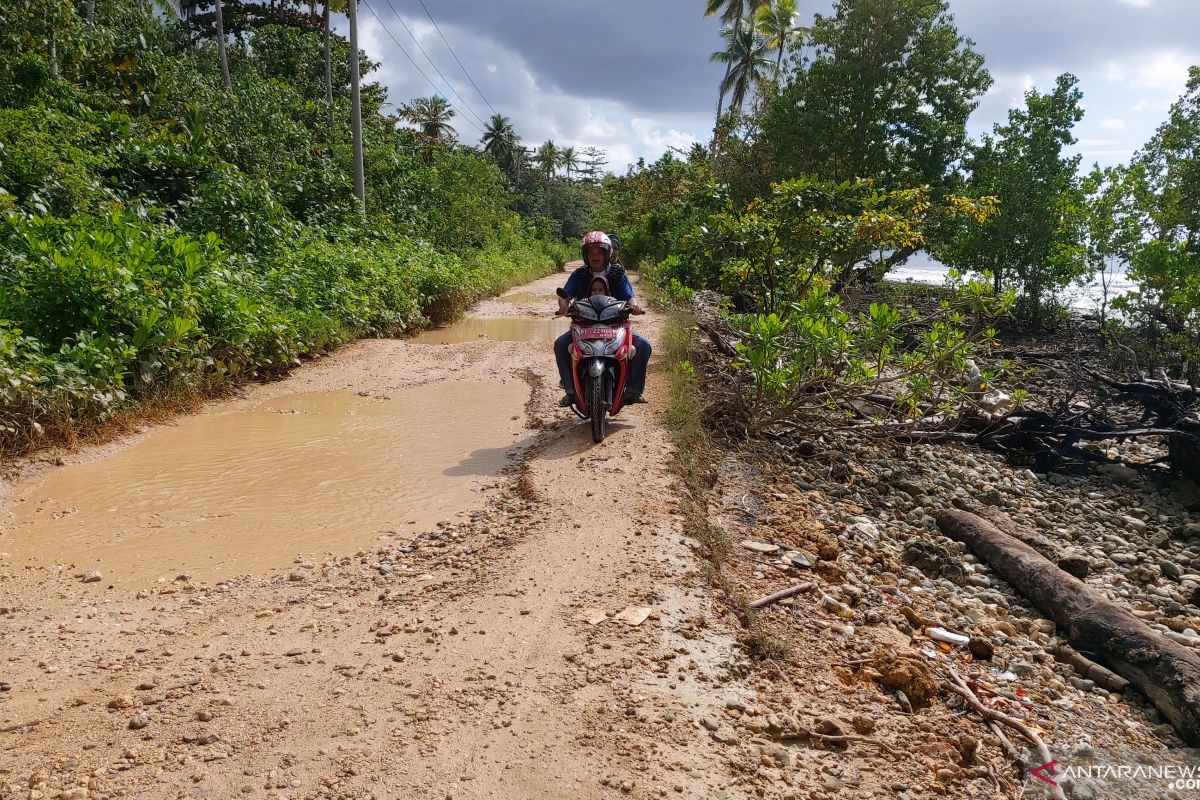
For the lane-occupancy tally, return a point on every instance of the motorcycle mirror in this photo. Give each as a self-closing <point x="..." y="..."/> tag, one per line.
<point x="561" y="292"/>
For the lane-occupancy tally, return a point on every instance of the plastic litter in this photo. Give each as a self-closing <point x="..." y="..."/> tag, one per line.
<point x="949" y="637"/>
<point x="836" y="606"/>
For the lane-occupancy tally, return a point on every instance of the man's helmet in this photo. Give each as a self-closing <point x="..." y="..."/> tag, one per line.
<point x="600" y="238"/>
<point x="616" y="241"/>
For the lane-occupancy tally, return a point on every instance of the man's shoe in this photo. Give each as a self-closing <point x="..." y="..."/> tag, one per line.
<point x="567" y="401"/>
<point x="632" y="399"/>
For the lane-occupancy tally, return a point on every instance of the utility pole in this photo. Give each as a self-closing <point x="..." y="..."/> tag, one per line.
<point x="356" y="105"/>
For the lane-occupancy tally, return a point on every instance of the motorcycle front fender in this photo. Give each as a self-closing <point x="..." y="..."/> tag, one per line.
<point x="595" y="367"/>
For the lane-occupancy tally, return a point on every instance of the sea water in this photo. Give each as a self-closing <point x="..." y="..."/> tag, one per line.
<point x="921" y="268"/>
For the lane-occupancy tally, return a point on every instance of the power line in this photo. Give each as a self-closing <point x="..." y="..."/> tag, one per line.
<point x="410" y="58"/>
<point x="456" y="58"/>
<point x="445" y="80"/>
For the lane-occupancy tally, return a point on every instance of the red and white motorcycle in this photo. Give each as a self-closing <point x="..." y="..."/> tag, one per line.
<point x="601" y="351"/>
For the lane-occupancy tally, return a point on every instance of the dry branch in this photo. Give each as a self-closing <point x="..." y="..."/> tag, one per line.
<point x="791" y="591"/>
<point x="1165" y="671"/>
<point x="960" y="687"/>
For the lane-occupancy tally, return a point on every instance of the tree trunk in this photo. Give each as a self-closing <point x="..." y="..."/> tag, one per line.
<point x="356" y="105"/>
<point x="328" y="62"/>
<point x="90" y="12"/>
<point x="52" y="37"/>
<point x="1166" y="672"/>
<point x="222" y="55"/>
<point x="1185" y="456"/>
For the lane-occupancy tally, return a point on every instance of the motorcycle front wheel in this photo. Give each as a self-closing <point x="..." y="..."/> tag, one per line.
<point x="597" y="407"/>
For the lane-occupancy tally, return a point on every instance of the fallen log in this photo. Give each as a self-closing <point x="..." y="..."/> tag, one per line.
<point x="1168" y="673"/>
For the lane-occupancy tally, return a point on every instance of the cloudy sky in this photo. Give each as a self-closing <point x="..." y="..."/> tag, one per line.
<point x="633" y="77"/>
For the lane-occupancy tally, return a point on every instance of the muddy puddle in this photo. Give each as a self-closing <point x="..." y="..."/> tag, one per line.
<point x="224" y="494"/>
<point x="496" y="329"/>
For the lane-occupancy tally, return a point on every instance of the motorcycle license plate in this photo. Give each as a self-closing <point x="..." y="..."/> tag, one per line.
<point x="598" y="333"/>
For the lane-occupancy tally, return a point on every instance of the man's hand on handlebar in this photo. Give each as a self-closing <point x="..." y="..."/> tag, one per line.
<point x="635" y="309"/>
<point x="563" y="304"/>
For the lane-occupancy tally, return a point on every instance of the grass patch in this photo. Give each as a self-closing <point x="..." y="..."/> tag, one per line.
<point x="693" y="464"/>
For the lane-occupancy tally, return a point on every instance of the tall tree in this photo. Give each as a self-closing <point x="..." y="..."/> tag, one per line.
<point x="745" y="57"/>
<point x="1166" y="260"/>
<point x="501" y="143"/>
<point x="886" y="96"/>
<point x="329" y="5"/>
<point x="593" y="160"/>
<point x="1034" y="243"/>
<point x="568" y="158"/>
<point x="777" y="22"/>
<point x="360" y="190"/>
<point x="432" y="117"/>
<point x="1111" y="228"/>
<point x="548" y="159"/>
<point x="222" y="54"/>
<point x="732" y="12"/>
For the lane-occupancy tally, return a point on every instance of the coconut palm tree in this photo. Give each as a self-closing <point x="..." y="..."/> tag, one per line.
<point x="731" y="11"/>
<point x="745" y="57"/>
<point x="777" y="22"/>
<point x="501" y="143"/>
<point x="548" y="159"/>
<point x="569" y="160"/>
<point x="432" y="116"/>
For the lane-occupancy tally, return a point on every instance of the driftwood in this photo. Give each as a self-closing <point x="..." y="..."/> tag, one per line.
<point x="1104" y="677"/>
<point x="1165" y="671"/>
<point x="791" y="591"/>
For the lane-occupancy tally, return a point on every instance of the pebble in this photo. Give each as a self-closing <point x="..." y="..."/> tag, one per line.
<point x="139" y="722"/>
<point x="93" y="577"/>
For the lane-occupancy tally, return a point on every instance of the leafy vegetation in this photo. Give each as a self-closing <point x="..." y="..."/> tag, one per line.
<point x="1035" y="241"/>
<point x="846" y="159"/>
<point x="165" y="229"/>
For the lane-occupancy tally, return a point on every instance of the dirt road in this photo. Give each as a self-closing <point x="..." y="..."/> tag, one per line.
<point x="274" y="631"/>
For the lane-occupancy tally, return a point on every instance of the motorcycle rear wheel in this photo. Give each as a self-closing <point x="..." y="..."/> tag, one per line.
<point x="598" y="408"/>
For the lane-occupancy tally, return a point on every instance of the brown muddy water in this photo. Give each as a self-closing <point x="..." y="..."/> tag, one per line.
<point x="227" y="493"/>
<point x="496" y="329"/>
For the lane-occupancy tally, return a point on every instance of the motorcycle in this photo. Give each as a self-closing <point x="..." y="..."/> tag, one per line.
<point x="601" y="351"/>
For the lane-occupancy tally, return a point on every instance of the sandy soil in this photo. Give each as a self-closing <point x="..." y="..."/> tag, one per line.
<point x="455" y="661"/>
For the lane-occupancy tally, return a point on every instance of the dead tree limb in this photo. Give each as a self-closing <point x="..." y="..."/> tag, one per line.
<point x="1165" y="671"/>
<point x="791" y="591"/>
<point x="957" y="685"/>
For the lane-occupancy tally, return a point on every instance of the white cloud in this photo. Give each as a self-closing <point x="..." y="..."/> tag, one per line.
<point x="1159" y="106"/>
<point x="657" y="139"/>
<point x="1113" y="124"/>
<point x="1163" y="71"/>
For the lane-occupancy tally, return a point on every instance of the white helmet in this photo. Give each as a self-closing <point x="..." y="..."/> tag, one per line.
<point x="594" y="238"/>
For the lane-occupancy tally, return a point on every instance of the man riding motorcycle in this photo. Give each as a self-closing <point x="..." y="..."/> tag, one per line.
<point x="597" y="258"/>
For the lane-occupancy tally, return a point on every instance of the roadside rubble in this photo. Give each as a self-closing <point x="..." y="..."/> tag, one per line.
<point x="886" y="613"/>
